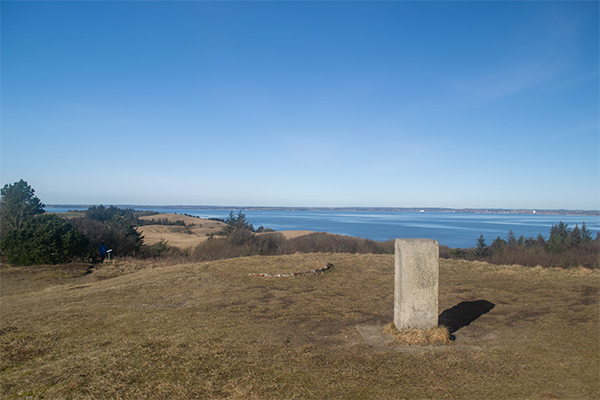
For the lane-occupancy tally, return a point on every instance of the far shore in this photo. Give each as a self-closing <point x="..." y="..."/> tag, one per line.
<point x="358" y="209"/>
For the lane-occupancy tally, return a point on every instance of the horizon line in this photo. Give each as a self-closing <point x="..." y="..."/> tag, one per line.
<point x="342" y="208"/>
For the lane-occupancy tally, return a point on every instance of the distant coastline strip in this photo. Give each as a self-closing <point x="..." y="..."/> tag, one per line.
<point x="82" y="207"/>
<point x="287" y="274"/>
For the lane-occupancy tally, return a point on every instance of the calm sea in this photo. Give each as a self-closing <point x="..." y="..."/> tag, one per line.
<point x="450" y="229"/>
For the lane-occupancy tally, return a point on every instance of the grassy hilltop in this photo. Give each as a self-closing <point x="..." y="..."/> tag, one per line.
<point x="192" y="232"/>
<point x="209" y="330"/>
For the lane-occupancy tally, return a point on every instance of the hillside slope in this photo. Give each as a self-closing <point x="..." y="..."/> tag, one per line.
<point x="189" y="236"/>
<point x="195" y="232"/>
<point x="210" y="330"/>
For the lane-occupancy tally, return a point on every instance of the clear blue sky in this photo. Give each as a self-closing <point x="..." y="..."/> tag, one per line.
<point x="408" y="104"/>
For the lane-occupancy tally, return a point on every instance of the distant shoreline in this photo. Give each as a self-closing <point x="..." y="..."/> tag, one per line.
<point x="358" y="209"/>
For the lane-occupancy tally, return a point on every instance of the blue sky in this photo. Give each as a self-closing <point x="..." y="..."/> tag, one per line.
<point x="407" y="104"/>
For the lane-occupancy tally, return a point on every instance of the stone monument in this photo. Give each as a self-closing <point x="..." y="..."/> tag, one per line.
<point x="416" y="284"/>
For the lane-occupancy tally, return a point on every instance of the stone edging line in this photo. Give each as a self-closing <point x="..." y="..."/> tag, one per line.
<point x="281" y="275"/>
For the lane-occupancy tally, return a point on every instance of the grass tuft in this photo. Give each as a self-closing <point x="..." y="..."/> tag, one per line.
<point x="418" y="337"/>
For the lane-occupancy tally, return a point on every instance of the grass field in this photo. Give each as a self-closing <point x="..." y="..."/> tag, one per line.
<point x="194" y="233"/>
<point x="137" y="330"/>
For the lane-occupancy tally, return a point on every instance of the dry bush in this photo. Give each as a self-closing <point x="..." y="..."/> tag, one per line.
<point x="162" y="249"/>
<point x="239" y="244"/>
<point x="183" y="229"/>
<point x="320" y="242"/>
<point x="219" y="249"/>
<point x="244" y="243"/>
<point x="588" y="255"/>
<point x="268" y="244"/>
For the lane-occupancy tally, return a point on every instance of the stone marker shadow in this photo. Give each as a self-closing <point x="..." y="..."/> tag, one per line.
<point x="463" y="314"/>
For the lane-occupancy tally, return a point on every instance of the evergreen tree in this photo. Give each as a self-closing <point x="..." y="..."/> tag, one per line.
<point x="498" y="245"/>
<point x="482" y="247"/>
<point x="559" y="237"/>
<point x="575" y="237"/>
<point x="112" y="226"/>
<point x="45" y="239"/>
<point x="586" y="234"/>
<point x="540" y="241"/>
<point x="122" y="237"/>
<point x="530" y="242"/>
<point x="105" y="214"/>
<point x="237" y="223"/>
<point x="511" y="239"/>
<point x="19" y="204"/>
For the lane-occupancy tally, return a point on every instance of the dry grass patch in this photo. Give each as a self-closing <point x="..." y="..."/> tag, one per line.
<point x="183" y="237"/>
<point x="190" y="221"/>
<point x="418" y="337"/>
<point x="294" y="234"/>
<point x="210" y="331"/>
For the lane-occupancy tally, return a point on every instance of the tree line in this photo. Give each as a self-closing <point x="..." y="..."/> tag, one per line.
<point x="29" y="236"/>
<point x="565" y="247"/>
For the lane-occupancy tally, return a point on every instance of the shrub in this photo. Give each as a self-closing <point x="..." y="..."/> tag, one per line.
<point x="45" y="239"/>
<point x="566" y="247"/>
<point x="161" y="249"/>
<point x="117" y="233"/>
<point x="240" y="237"/>
<point x="104" y="214"/>
<point x="218" y="249"/>
<point x="268" y="243"/>
<point x="457" y="253"/>
<point x="182" y="229"/>
<point x="124" y="238"/>
<point x="244" y="243"/>
<point x="241" y="240"/>
<point x="241" y="243"/>
<point x="320" y="242"/>
<point x="444" y="251"/>
<point x="160" y="221"/>
<point x="145" y="213"/>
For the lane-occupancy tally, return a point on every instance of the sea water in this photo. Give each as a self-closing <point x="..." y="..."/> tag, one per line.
<point x="451" y="229"/>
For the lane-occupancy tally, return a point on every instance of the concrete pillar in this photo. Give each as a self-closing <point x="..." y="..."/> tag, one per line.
<point x="416" y="284"/>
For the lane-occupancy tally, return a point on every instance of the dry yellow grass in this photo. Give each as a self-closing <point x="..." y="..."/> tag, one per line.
<point x="184" y="238"/>
<point x="294" y="234"/>
<point x="418" y="337"/>
<point x="209" y="331"/>
<point x="194" y="233"/>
